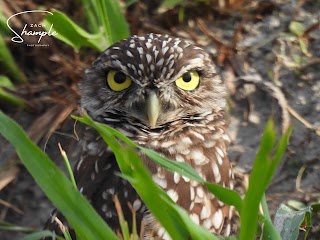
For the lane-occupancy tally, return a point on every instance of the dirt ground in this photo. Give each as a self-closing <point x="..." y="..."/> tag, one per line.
<point x="263" y="63"/>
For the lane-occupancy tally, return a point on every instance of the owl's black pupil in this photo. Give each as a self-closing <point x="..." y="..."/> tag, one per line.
<point x="186" y="77"/>
<point x="119" y="77"/>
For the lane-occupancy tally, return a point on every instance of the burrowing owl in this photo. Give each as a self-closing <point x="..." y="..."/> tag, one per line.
<point x="165" y="94"/>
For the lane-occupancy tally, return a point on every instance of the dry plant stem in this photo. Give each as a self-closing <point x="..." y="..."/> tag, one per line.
<point x="62" y="227"/>
<point x="41" y="125"/>
<point x="303" y="121"/>
<point x="154" y="28"/>
<point x="273" y="91"/>
<point x="120" y="215"/>
<point x="40" y="128"/>
<point x="62" y="114"/>
<point x="311" y="28"/>
<point x="61" y="117"/>
<point x="134" y="234"/>
<point x="8" y="173"/>
<point x="225" y="51"/>
<point x="9" y="205"/>
<point x="299" y="177"/>
<point x="76" y="136"/>
<point x="142" y="229"/>
<point x="207" y="32"/>
<point x="67" y="164"/>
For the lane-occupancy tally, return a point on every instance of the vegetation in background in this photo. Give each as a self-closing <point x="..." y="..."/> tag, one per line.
<point x="7" y="62"/>
<point x="6" y="96"/>
<point x="105" y="21"/>
<point x="10" y="68"/>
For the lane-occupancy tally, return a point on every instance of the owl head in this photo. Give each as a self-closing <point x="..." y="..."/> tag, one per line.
<point x="151" y="80"/>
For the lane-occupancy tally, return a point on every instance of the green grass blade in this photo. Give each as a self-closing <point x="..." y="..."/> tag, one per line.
<point x="265" y="208"/>
<point x="91" y="11"/>
<point x="6" y="226"/>
<point x="41" y="235"/>
<point x="228" y="196"/>
<point x="7" y="97"/>
<point x="280" y="150"/>
<point x="182" y="168"/>
<point x="11" y="99"/>
<point x="263" y="169"/>
<point x="8" y="63"/>
<point x="269" y="231"/>
<point x="172" y="3"/>
<point x="112" y="131"/>
<point x="173" y="218"/>
<point x="72" y="34"/>
<point x="113" y="21"/>
<point x="67" y="164"/>
<point x="3" y="22"/>
<point x="80" y="214"/>
<point x="257" y="184"/>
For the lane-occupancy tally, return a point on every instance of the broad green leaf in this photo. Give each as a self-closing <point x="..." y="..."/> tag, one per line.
<point x="288" y="221"/>
<point x="72" y="34"/>
<point x="79" y="213"/>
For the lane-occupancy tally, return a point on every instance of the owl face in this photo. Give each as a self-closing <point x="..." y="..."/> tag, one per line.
<point x="151" y="80"/>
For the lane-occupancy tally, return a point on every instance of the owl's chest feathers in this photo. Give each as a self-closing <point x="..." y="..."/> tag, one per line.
<point x="201" y="144"/>
<point x="196" y="143"/>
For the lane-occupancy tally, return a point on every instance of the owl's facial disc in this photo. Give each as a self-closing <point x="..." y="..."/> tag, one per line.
<point x="151" y="81"/>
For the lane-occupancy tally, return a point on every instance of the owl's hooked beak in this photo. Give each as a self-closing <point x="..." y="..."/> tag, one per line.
<point x="153" y="108"/>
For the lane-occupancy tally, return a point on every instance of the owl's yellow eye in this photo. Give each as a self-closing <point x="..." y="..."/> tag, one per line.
<point x="118" y="81"/>
<point x="188" y="81"/>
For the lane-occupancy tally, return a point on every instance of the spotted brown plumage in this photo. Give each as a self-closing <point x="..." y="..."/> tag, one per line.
<point x="165" y="94"/>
